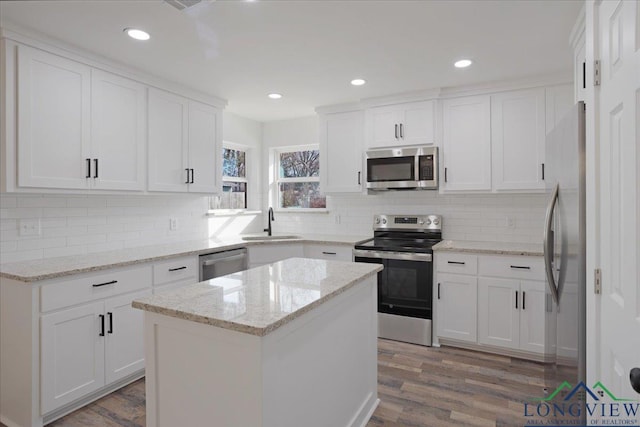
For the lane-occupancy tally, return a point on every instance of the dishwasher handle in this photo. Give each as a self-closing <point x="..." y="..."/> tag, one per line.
<point x="209" y="262"/>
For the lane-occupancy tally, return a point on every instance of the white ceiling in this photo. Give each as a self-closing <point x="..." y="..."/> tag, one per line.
<point x="310" y="50"/>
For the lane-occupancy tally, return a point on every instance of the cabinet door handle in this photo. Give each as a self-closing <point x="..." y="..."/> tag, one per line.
<point x="101" y="334"/>
<point x="329" y="253"/>
<point x="543" y="171"/>
<point x="456" y="262"/>
<point x="524" y="296"/>
<point x="516" y="300"/>
<point x="359" y="174"/>
<point x="97" y="285"/>
<point x="396" y="126"/>
<point x="187" y="181"/>
<point x="521" y="267"/>
<point x="88" y="169"/>
<point x="110" y="331"/>
<point x="95" y="163"/>
<point x="438" y="290"/>
<point x="401" y="135"/>
<point x="445" y="174"/>
<point x="192" y="176"/>
<point x="184" y="267"/>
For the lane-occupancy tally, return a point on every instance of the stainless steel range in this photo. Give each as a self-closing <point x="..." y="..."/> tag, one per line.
<point x="402" y="243"/>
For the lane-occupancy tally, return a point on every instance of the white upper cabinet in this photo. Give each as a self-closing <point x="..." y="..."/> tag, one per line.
<point x="559" y="100"/>
<point x="117" y="132"/>
<point x="466" y="144"/>
<point x="341" y="160"/>
<point x="518" y="139"/>
<point x="410" y="123"/>
<point x="183" y="144"/>
<point x="53" y="113"/>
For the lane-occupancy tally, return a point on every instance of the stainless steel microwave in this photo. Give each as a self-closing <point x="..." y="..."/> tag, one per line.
<point x="408" y="168"/>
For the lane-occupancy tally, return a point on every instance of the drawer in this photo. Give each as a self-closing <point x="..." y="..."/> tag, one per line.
<point x="458" y="263"/>
<point x="514" y="267"/>
<point x="175" y="269"/>
<point x="328" y="252"/>
<point x="92" y="286"/>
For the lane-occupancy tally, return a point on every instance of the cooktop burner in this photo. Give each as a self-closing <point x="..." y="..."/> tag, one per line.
<point x="399" y="245"/>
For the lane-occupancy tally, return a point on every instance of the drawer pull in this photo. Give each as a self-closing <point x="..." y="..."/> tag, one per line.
<point x="521" y="267"/>
<point x="329" y="253"/>
<point x="97" y="285"/>
<point x="438" y="290"/>
<point x="184" y="267"/>
<point x="101" y="325"/>
<point x="110" y="314"/>
<point x="456" y="262"/>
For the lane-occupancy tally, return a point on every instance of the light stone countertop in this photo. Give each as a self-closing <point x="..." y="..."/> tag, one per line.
<point x="498" y="248"/>
<point x="262" y="299"/>
<point x="50" y="268"/>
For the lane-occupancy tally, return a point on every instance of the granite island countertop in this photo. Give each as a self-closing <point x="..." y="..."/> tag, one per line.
<point x="496" y="248"/>
<point x="50" y="268"/>
<point x="259" y="300"/>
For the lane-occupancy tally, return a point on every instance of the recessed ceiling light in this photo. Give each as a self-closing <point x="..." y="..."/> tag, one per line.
<point x="274" y="96"/>
<point x="463" y="63"/>
<point x="134" y="33"/>
<point x="358" y="82"/>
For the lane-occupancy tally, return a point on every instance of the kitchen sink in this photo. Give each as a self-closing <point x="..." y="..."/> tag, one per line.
<point x="249" y="238"/>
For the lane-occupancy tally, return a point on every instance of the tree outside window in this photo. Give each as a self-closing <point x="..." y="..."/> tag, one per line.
<point x="298" y="179"/>
<point x="234" y="180"/>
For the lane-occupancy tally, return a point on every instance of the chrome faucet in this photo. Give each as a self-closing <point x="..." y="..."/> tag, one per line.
<point x="270" y="218"/>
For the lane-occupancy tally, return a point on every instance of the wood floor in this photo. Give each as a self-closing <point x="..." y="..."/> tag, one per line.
<point x="417" y="386"/>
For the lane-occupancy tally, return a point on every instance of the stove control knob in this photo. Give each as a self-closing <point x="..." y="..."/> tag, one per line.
<point x="377" y="220"/>
<point x="428" y="221"/>
<point x="384" y="221"/>
<point x="421" y="222"/>
<point x="436" y="221"/>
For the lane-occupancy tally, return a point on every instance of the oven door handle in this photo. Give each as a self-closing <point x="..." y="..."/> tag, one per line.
<point x="402" y="256"/>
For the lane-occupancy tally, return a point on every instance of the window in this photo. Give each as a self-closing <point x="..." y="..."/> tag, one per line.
<point x="298" y="178"/>
<point x="234" y="179"/>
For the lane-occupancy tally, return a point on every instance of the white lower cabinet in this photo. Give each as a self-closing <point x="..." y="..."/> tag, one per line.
<point x="457" y="304"/>
<point x="266" y="254"/>
<point x="328" y="251"/>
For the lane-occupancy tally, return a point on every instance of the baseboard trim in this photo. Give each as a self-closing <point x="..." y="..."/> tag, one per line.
<point x="536" y="357"/>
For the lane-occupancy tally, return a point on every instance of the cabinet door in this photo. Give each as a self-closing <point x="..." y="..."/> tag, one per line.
<point x="559" y="100"/>
<point x="168" y="151"/>
<point x="341" y="152"/>
<point x="53" y="120"/>
<point x="72" y="355"/>
<point x="418" y="120"/>
<point x="518" y="139"/>
<point x="456" y="299"/>
<point x="118" y="119"/>
<point x="205" y="125"/>
<point x="383" y="126"/>
<point x="466" y="144"/>
<point x="124" y="336"/>
<point x="499" y="312"/>
<point x="532" y="316"/>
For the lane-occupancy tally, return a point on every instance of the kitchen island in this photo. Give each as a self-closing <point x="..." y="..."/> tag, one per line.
<point x="287" y="344"/>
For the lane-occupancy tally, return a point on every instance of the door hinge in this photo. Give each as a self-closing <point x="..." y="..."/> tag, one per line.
<point x="597" y="282"/>
<point x="596" y="73"/>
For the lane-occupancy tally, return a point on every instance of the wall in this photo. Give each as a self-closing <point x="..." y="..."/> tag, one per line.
<point x="472" y="217"/>
<point x="80" y="224"/>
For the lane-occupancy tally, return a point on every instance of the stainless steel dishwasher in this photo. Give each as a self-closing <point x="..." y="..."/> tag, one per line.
<point x="218" y="264"/>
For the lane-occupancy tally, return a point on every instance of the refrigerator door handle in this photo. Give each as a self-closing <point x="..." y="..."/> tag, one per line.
<point x="548" y="245"/>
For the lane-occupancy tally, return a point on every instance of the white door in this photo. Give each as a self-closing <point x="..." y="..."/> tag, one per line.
<point x="205" y="162"/>
<point x="168" y="139"/>
<point x="499" y="312"/>
<point x="466" y="144"/>
<point x="118" y="125"/>
<point x="383" y="126"/>
<point x="124" y="337"/>
<point x="618" y="110"/>
<point x="72" y="355"/>
<point x="418" y="120"/>
<point x="341" y="152"/>
<point x="518" y="139"/>
<point x="53" y="120"/>
<point x="456" y="297"/>
<point x="532" y="316"/>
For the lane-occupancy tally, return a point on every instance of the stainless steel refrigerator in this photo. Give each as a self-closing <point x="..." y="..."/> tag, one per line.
<point x="565" y="250"/>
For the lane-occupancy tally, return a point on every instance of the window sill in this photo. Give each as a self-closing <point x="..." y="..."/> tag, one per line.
<point x="302" y="210"/>
<point x="232" y="212"/>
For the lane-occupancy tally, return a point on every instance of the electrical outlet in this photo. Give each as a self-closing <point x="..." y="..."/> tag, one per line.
<point x="510" y="222"/>
<point x="173" y="224"/>
<point x="30" y="227"/>
<point x="337" y="218"/>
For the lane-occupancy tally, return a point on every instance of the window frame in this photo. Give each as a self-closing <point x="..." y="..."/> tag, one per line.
<point x="247" y="153"/>
<point x="277" y="179"/>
